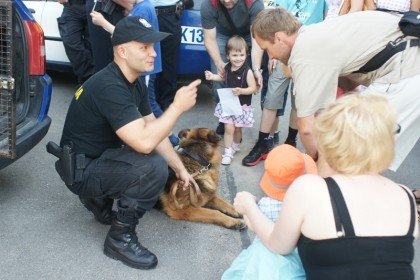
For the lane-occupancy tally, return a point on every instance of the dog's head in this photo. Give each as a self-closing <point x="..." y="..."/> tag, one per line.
<point x="199" y="134"/>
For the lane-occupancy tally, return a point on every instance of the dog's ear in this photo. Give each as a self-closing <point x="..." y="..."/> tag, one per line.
<point x="183" y="133"/>
<point x="213" y="137"/>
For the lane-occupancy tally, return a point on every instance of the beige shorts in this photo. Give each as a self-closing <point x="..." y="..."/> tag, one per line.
<point x="404" y="97"/>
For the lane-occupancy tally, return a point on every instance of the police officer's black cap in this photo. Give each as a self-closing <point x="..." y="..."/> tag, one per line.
<point x="135" y="29"/>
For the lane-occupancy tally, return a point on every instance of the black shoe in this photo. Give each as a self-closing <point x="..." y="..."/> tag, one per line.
<point x="259" y="152"/>
<point x="101" y="209"/>
<point x="121" y="243"/>
<point x="276" y="139"/>
<point x="220" y="128"/>
<point x="291" y="142"/>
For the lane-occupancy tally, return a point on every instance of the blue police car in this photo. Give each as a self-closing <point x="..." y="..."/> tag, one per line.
<point x="25" y="88"/>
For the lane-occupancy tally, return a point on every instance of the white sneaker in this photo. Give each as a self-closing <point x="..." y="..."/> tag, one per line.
<point x="227" y="159"/>
<point x="235" y="148"/>
<point x="227" y="156"/>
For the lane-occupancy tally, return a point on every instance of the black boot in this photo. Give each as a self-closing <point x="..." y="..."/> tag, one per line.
<point x="122" y="244"/>
<point x="101" y="209"/>
<point x="259" y="152"/>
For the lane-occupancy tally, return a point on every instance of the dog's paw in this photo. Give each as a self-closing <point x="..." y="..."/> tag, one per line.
<point x="233" y="214"/>
<point x="240" y="225"/>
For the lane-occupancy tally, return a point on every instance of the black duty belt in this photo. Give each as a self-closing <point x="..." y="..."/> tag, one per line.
<point x="165" y="10"/>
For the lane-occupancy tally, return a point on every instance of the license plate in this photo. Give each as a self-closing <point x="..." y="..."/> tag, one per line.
<point x="192" y="35"/>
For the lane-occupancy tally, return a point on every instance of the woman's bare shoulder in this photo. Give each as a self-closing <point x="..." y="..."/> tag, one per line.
<point x="307" y="185"/>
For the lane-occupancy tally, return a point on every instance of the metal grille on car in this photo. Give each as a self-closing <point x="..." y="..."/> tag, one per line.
<point x="7" y="110"/>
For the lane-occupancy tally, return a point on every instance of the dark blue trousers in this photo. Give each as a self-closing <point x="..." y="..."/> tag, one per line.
<point x="74" y="32"/>
<point x="166" y="82"/>
<point x="135" y="179"/>
<point x="100" y="39"/>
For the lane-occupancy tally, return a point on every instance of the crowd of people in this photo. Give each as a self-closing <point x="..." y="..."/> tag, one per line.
<point x="313" y="224"/>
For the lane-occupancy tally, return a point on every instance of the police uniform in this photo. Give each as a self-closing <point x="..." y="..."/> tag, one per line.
<point x="101" y="106"/>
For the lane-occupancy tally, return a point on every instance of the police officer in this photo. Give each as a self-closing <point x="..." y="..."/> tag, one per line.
<point x="73" y="29"/>
<point x="126" y="149"/>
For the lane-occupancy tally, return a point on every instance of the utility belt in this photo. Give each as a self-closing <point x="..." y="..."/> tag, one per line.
<point x="69" y="166"/>
<point x="176" y="9"/>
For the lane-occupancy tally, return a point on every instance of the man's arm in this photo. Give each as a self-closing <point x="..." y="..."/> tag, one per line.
<point x="144" y="136"/>
<point x="415" y="5"/>
<point x="306" y="136"/>
<point x="210" y="42"/>
<point x="98" y="19"/>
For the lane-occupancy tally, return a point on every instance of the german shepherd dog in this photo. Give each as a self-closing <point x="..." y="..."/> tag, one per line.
<point x="199" y="151"/>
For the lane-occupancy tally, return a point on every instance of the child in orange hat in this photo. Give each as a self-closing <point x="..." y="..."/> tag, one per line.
<point x="283" y="165"/>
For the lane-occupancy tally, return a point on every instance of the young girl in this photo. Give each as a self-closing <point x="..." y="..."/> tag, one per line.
<point x="240" y="78"/>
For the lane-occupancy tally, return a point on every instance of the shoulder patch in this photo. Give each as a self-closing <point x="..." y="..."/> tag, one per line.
<point x="78" y="92"/>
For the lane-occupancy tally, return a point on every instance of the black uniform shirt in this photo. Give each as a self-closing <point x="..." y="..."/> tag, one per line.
<point x="105" y="103"/>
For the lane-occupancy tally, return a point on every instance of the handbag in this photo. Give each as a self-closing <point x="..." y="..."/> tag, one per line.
<point x="410" y="24"/>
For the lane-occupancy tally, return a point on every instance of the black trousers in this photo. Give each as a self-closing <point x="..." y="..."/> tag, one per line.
<point x="101" y="39"/>
<point x="135" y="179"/>
<point x="166" y="82"/>
<point x="73" y="29"/>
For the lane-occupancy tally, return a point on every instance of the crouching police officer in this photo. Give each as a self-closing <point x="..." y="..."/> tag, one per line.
<point x="122" y="150"/>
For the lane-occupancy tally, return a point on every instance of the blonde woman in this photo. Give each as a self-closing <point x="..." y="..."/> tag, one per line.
<point x="355" y="224"/>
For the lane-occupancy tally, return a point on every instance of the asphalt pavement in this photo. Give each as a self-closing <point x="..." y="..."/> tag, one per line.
<point x="45" y="232"/>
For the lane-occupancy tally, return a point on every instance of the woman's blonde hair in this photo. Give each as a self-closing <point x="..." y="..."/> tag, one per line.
<point x="236" y="43"/>
<point x="355" y="134"/>
<point x="270" y="21"/>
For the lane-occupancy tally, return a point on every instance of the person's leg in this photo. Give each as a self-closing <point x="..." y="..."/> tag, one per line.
<point x="237" y="139"/>
<point x="293" y="129"/>
<point x="166" y="81"/>
<point x="156" y="109"/>
<point x="221" y="43"/>
<point x="137" y="181"/>
<point x="403" y="97"/>
<point x="72" y="27"/>
<point x="228" y="140"/>
<point x="273" y="105"/>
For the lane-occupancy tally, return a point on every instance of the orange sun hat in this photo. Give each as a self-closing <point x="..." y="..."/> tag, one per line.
<point x="283" y="165"/>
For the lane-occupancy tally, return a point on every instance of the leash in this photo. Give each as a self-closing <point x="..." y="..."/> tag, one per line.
<point x="193" y="190"/>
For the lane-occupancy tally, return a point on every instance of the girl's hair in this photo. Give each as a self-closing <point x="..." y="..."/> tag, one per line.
<point x="355" y="134"/>
<point x="270" y="21"/>
<point x="236" y="43"/>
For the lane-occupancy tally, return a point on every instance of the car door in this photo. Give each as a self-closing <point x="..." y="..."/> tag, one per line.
<point x="7" y="83"/>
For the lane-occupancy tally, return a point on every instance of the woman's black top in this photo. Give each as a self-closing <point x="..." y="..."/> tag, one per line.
<point x="355" y="257"/>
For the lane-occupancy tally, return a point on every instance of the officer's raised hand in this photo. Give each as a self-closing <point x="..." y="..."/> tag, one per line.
<point x="186" y="96"/>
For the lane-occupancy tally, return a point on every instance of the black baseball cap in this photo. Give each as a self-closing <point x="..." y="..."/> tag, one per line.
<point x="135" y="29"/>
